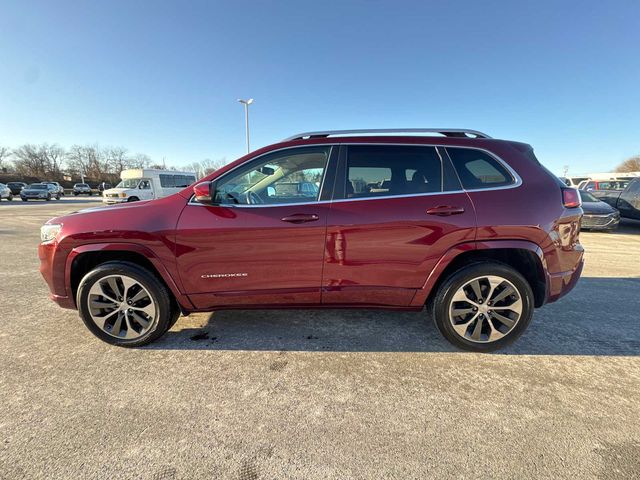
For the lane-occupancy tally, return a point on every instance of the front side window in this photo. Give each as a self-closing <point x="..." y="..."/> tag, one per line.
<point x="129" y="183"/>
<point x="288" y="176"/>
<point x="478" y="169"/>
<point x="391" y="170"/>
<point x="145" y="185"/>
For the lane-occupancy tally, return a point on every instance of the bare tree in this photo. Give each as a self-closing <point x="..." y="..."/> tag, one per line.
<point x="5" y="154"/>
<point x="43" y="161"/>
<point x="117" y="159"/>
<point x="630" y="165"/>
<point x="206" y="166"/>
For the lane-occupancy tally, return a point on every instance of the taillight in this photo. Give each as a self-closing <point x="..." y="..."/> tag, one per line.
<point x="571" y="198"/>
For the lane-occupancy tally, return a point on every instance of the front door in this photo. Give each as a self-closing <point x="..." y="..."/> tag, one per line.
<point x="263" y="243"/>
<point x="397" y="210"/>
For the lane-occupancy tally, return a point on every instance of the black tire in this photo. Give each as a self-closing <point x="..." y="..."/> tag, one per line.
<point x="162" y="297"/>
<point x="439" y="305"/>
<point x="48" y="198"/>
<point x="58" y="197"/>
<point x="133" y="199"/>
<point x="75" y="194"/>
<point x="24" y="199"/>
<point x="90" y="193"/>
<point x="10" y="198"/>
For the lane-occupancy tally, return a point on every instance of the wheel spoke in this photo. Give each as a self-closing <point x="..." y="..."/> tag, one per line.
<point x="461" y="296"/>
<point x="95" y="303"/>
<point x="114" y="286"/>
<point x="475" y="286"/>
<point x="139" y="319"/>
<point x="100" y="321"/>
<point x="477" y="330"/>
<point x="117" y="325"/>
<point x="504" y="320"/>
<point x="150" y="310"/>
<point x="139" y="296"/>
<point x="508" y="290"/>
<point x="127" y="283"/>
<point x="460" y="312"/>
<point x="461" y="328"/>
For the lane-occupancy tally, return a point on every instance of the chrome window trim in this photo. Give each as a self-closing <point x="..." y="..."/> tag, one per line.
<point x="516" y="183"/>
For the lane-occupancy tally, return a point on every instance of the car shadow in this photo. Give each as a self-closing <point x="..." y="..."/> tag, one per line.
<point x="600" y="317"/>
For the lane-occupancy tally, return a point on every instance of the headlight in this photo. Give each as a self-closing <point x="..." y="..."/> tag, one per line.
<point x="49" y="232"/>
<point x="123" y="195"/>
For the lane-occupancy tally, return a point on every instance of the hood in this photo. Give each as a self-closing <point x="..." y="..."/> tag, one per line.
<point x="597" y="208"/>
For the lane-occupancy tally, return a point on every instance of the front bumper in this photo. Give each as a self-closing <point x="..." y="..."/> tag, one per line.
<point x="32" y="196"/>
<point x="600" y="222"/>
<point x="114" y="200"/>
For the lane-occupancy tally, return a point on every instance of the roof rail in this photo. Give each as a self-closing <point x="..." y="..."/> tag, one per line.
<point x="447" y="132"/>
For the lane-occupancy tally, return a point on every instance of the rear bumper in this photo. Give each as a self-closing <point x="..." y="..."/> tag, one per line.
<point x="560" y="284"/>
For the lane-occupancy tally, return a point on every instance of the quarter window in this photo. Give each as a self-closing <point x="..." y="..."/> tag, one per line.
<point x="391" y="170"/>
<point x="478" y="169"/>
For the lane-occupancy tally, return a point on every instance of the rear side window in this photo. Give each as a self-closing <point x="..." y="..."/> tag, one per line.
<point x="391" y="170"/>
<point x="478" y="169"/>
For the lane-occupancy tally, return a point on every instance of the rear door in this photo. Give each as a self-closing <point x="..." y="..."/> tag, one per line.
<point x="397" y="210"/>
<point x="264" y="243"/>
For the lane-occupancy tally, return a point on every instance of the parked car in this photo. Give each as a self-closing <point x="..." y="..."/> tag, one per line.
<point x="58" y="190"/>
<point x="82" y="188"/>
<point x="592" y="185"/>
<point x="598" y="215"/>
<point x="39" y="191"/>
<point x="453" y="229"/>
<point x="16" y="187"/>
<point x="147" y="184"/>
<point x="627" y="201"/>
<point x="5" y="192"/>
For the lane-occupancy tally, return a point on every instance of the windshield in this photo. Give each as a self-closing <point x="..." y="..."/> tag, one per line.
<point x="587" y="197"/>
<point x="38" y="186"/>
<point x="129" y="183"/>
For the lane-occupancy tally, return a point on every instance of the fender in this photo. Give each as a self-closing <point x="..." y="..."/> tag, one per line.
<point x="423" y="293"/>
<point x="183" y="300"/>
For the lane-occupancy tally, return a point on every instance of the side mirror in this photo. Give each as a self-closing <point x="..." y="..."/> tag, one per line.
<point x="268" y="171"/>
<point x="205" y="192"/>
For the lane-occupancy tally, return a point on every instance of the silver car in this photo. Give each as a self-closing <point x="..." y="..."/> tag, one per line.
<point x="5" y="192"/>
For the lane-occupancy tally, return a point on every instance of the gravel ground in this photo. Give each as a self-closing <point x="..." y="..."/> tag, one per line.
<point x="319" y="394"/>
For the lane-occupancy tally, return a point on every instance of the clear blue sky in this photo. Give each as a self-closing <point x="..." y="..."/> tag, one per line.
<point x="163" y="77"/>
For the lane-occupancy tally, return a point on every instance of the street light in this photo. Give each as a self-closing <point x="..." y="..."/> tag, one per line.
<point x="246" y="104"/>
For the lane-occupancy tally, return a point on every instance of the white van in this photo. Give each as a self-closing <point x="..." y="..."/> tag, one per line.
<point x="147" y="184"/>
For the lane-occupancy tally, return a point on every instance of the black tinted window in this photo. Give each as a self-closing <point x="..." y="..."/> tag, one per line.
<point x="386" y="170"/>
<point x="478" y="169"/>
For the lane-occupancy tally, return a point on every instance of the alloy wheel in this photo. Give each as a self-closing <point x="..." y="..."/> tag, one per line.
<point x="485" y="309"/>
<point x="121" y="307"/>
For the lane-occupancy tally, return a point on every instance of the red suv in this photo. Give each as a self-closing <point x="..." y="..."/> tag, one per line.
<point x="473" y="228"/>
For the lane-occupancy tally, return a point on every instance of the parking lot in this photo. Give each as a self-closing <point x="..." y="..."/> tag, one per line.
<point x="319" y="394"/>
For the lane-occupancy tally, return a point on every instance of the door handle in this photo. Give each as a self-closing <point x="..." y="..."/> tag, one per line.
<point x="445" y="210"/>
<point x="301" y="218"/>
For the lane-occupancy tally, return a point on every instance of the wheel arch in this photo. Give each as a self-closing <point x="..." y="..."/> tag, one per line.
<point x="83" y="259"/>
<point x="525" y="257"/>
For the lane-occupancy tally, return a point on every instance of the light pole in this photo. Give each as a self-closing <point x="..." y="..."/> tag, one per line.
<point x="246" y="104"/>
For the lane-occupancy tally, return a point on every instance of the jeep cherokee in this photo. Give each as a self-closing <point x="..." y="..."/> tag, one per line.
<point x="472" y="228"/>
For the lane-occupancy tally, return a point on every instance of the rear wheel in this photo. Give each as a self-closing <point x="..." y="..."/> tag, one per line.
<point x="483" y="307"/>
<point x="123" y="304"/>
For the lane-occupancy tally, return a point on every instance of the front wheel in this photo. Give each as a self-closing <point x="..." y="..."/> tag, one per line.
<point x="10" y="198"/>
<point x="133" y="199"/>
<point x="483" y="307"/>
<point x="124" y="304"/>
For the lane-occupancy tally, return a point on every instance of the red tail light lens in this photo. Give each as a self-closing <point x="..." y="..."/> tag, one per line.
<point x="571" y="198"/>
